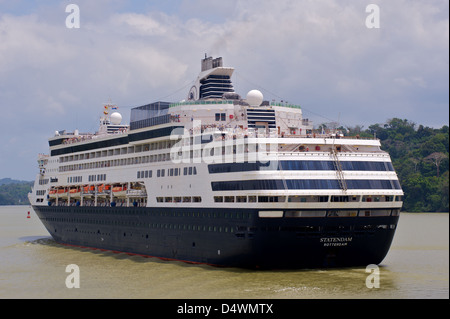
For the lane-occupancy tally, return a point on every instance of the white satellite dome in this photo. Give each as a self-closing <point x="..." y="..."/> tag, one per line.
<point x="254" y="98"/>
<point x="116" y="118"/>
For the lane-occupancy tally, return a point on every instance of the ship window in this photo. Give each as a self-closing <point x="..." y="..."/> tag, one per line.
<point x="318" y="213"/>
<point x="365" y="213"/>
<point x="339" y="198"/>
<point x="221" y="116"/>
<point x="342" y="213"/>
<point x="263" y="199"/>
<point x="270" y="214"/>
<point x="218" y="199"/>
<point x="229" y="199"/>
<point x="382" y="212"/>
<point x="271" y="199"/>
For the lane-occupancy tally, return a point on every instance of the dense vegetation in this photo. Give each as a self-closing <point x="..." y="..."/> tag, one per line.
<point x="420" y="156"/>
<point x="14" y="192"/>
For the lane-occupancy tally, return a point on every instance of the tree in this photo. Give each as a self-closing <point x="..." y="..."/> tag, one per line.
<point x="400" y="126"/>
<point x="415" y="161"/>
<point x="436" y="158"/>
<point x="378" y="131"/>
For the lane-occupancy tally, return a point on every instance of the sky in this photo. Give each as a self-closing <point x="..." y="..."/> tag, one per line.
<point x="323" y="55"/>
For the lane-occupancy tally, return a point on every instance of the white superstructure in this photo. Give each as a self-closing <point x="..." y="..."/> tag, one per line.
<point x="177" y="154"/>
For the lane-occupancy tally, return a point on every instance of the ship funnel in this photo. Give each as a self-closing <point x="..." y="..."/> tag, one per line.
<point x="210" y="63"/>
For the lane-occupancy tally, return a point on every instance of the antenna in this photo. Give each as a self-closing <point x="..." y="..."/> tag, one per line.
<point x="339" y="120"/>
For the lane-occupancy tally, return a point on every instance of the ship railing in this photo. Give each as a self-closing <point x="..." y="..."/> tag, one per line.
<point x="222" y="131"/>
<point x="202" y="102"/>
<point x="89" y="136"/>
<point x="381" y="154"/>
<point x="78" y="138"/>
<point x="103" y="193"/>
<point x="325" y="135"/>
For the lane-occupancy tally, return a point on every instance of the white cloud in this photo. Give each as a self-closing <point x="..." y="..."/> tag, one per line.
<point x="318" y="54"/>
<point x="141" y="24"/>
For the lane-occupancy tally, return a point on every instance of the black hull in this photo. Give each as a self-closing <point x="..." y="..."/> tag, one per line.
<point x="224" y="237"/>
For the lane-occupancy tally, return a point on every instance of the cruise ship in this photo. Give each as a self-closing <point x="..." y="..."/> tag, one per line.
<point x="220" y="179"/>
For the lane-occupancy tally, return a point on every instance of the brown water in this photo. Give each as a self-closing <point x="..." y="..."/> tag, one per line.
<point x="32" y="265"/>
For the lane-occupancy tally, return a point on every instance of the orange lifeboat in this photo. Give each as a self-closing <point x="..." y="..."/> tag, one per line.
<point x="75" y="192"/>
<point x="87" y="190"/>
<point x="102" y="190"/>
<point x="119" y="191"/>
<point x="52" y="193"/>
<point x="62" y="192"/>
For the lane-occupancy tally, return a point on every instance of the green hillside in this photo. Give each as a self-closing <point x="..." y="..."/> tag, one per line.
<point x="14" y="192"/>
<point x="420" y="157"/>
